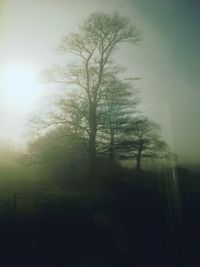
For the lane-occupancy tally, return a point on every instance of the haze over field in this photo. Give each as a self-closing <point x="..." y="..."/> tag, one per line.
<point x="167" y="60"/>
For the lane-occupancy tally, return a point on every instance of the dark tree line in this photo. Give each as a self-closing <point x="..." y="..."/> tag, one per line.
<point x="98" y="116"/>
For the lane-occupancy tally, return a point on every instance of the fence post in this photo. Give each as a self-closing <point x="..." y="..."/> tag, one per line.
<point x="14" y="206"/>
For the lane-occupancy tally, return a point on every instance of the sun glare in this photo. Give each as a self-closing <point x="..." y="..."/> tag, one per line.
<point x="19" y="85"/>
<point x="20" y="93"/>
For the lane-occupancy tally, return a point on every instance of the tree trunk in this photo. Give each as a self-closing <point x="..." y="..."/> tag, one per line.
<point x="92" y="139"/>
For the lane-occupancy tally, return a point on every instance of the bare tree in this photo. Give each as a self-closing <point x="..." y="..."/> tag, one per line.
<point x="143" y="141"/>
<point x="118" y="108"/>
<point x="94" y="44"/>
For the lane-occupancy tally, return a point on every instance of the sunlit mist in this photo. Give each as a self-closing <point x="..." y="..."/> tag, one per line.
<point x="20" y="87"/>
<point x="20" y="93"/>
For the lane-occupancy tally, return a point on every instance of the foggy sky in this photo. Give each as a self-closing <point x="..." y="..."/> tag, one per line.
<point x="167" y="59"/>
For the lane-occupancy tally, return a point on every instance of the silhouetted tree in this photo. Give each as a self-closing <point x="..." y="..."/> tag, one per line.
<point x="55" y="145"/>
<point x="118" y="108"/>
<point x="55" y="155"/>
<point x="94" y="44"/>
<point x="143" y="141"/>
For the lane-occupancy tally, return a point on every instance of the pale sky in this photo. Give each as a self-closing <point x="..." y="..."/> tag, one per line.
<point x="167" y="61"/>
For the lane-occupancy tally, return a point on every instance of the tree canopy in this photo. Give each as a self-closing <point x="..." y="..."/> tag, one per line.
<point x="98" y="113"/>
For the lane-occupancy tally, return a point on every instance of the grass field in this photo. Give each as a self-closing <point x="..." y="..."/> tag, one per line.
<point x="138" y="218"/>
